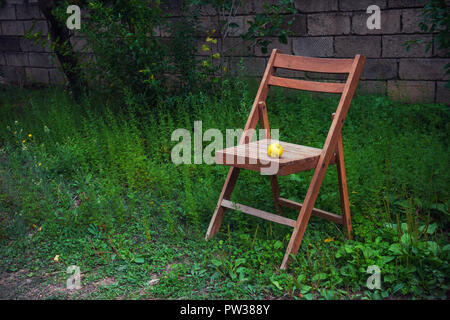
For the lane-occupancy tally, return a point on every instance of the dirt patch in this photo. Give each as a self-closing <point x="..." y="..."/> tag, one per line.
<point x="18" y="286"/>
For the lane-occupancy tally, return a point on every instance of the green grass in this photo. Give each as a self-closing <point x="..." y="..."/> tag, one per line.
<point x="94" y="184"/>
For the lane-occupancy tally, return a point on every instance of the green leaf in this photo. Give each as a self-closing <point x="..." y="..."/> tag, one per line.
<point x="139" y="260"/>
<point x="216" y="262"/>
<point x="277" y="284"/>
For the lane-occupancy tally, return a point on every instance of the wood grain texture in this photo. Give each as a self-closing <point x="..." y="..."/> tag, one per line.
<point x="314" y="86"/>
<point x="258" y="213"/>
<point x="317" y="212"/>
<point x="323" y="65"/>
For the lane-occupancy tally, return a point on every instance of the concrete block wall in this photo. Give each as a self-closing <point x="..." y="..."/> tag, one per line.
<point x="322" y="28"/>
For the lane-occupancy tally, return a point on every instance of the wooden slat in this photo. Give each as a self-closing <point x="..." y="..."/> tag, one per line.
<point x="258" y="213"/>
<point x="329" y="87"/>
<point x="324" y="65"/>
<point x="317" y="212"/>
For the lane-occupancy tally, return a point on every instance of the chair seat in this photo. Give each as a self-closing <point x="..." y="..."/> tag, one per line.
<point x="253" y="156"/>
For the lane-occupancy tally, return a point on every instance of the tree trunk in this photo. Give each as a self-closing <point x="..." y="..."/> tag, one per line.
<point x="60" y="36"/>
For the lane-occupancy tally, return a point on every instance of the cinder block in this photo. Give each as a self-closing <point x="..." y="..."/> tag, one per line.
<point x="237" y="47"/>
<point x="380" y="69"/>
<point x="410" y="20"/>
<point x="28" y="11"/>
<point x="13" y="74"/>
<point x="17" y="59"/>
<point x="352" y="5"/>
<point x="373" y="87"/>
<point x="442" y="93"/>
<point x="253" y="67"/>
<point x="7" y="12"/>
<point x="411" y="91"/>
<point x="40" y="59"/>
<point x="313" y="46"/>
<point x="423" y="69"/>
<point x="439" y="52"/>
<point x="36" y="26"/>
<point x="323" y="24"/>
<point x="10" y="2"/>
<point x="12" y="28"/>
<point x="298" y="26"/>
<point x="276" y="44"/>
<point x="37" y="75"/>
<point x="348" y="47"/>
<point x="390" y="23"/>
<point x="27" y="45"/>
<point x="394" y="46"/>
<point x="242" y="25"/>
<point x="316" y="5"/>
<point x="9" y="44"/>
<point x="406" y="3"/>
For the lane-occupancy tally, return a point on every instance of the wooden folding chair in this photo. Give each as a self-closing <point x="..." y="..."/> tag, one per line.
<point x="295" y="158"/>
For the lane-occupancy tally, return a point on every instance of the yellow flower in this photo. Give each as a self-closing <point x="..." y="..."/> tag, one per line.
<point x="56" y="258"/>
<point x="40" y="228"/>
<point x="152" y="77"/>
<point x="205" y="47"/>
<point x="39" y="164"/>
<point x="216" y="55"/>
<point x="30" y="135"/>
<point x="23" y="141"/>
<point x="328" y="240"/>
<point x="15" y="132"/>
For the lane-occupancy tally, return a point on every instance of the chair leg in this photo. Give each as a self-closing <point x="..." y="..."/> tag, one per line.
<point x="342" y="178"/>
<point x="219" y="212"/>
<point x="305" y="214"/>
<point x="275" y="193"/>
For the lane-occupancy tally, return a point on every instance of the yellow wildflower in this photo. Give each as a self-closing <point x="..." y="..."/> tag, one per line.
<point x="56" y="258"/>
<point x="328" y="240"/>
<point x="216" y="55"/>
<point x="23" y="141"/>
<point x="30" y="135"/>
<point x="39" y="164"/>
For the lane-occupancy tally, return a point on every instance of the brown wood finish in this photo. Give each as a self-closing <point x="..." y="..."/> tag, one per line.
<point x="327" y="153"/>
<point x="328" y="87"/>
<point x="343" y="192"/>
<point x="233" y="173"/>
<point x="295" y="158"/>
<point x="309" y="64"/>
<point x="317" y="212"/>
<point x="258" y="213"/>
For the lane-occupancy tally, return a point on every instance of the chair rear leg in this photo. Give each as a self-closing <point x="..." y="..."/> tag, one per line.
<point x="342" y="179"/>
<point x="275" y="193"/>
<point x="219" y="212"/>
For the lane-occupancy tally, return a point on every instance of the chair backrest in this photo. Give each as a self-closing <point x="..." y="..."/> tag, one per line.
<point x="352" y="67"/>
